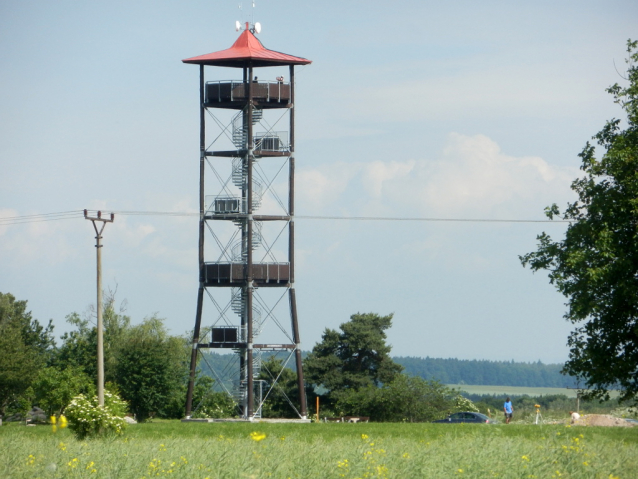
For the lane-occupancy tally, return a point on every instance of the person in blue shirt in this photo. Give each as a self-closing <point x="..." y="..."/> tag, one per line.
<point x="509" y="410"/>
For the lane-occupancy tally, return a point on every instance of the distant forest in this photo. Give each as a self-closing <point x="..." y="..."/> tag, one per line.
<point x="487" y="373"/>
<point x="450" y="371"/>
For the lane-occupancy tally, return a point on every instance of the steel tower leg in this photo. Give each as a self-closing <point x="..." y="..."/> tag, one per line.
<point x="298" y="362"/>
<point x="193" y="368"/>
<point x="200" y="291"/>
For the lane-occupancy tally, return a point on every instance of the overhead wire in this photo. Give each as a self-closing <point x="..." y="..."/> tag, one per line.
<point x="64" y="215"/>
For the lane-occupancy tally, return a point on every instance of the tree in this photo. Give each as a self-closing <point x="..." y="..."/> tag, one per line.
<point x="353" y="359"/>
<point x="150" y="366"/>
<point x="596" y="265"/>
<point x="413" y="399"/>
<point x="79" y="347"/>
<point x="25" y="346"/>
<point x="54" y="388"/>
<point x="285" y="392"/>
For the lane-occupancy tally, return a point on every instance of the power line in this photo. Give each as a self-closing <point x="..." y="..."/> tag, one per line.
<point x="65" y="215"/>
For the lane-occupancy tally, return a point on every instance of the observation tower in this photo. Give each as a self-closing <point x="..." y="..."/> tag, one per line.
<point x="246" y="297"/>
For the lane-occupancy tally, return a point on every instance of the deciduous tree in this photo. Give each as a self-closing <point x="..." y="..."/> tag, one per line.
<point x="596" y="265"/>
<point x="150" y="366"/>
<point x="25" y="346"/>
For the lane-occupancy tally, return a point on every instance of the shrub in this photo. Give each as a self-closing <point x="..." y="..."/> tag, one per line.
<point x="88" y="419"/>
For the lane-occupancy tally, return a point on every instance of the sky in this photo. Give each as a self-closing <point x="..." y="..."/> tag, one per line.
<point x="410" y="109"/>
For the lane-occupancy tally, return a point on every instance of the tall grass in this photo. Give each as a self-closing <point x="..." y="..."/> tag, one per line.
<point x="227" y="450"/>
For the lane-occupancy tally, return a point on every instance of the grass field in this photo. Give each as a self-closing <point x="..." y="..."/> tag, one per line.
<point x="517" y="390"/>
<point x="372" y="450"/>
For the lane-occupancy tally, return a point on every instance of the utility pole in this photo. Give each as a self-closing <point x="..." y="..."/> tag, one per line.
<point x="100" y="328"/>
<point x="578" y="393"/>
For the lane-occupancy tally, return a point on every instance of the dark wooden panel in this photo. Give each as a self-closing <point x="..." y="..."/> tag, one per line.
<point x="232" y="274"/>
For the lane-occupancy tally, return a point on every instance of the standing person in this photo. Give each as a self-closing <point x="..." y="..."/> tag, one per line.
<point x="509" y="410"/>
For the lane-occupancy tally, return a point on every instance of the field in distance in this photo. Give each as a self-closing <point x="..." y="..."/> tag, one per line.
<point x="516" y="390"/>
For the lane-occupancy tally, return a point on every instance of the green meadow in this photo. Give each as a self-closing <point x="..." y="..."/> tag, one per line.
<point x="517" y="390"/>
<point x="323" y="450"/>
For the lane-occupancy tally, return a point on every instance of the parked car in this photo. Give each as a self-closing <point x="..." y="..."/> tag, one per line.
<point x="474" y="417"/>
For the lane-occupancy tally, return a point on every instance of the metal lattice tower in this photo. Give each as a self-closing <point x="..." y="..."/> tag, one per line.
<point x="246" y="249"/>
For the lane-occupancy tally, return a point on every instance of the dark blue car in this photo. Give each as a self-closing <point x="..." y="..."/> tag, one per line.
<point x="474" y="417"/>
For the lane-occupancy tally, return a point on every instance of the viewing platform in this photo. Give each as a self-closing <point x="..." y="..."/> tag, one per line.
<point x="234" y="94"/>
<point x="234" y="274"/>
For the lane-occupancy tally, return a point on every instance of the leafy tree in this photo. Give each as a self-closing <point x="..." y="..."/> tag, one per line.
<point x="25" y="346"/>
<point x="413" y="399"/>
<point x="79" y="347"/>
<point x="151" y="364"/>
<point x="285" y="391"/>
<point x="55" y="388"/>
<point x="596" y="265"/>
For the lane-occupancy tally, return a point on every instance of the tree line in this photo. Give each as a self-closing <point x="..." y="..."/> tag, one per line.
<point x="349" y="370"/>
<point x="488" y="373"/>
<point x="451" y="370"/>
<point x="143" y="363"/>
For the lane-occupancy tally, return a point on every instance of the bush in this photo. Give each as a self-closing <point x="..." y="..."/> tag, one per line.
<point x="88" y="419"/>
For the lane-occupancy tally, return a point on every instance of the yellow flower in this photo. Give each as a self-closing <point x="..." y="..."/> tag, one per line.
<point x="53" y="419"/>
<point x="62" y="446"/>
<point x="406" y="455"/>
<point x="30" y="460"/>
<point x="364" y="437"/>
<point x="63" y="422"/>
<point x="525" y="458"/>
<point x="54" y="428"/>
<point x="162" y="447"/>
<point x="257" y="436"/>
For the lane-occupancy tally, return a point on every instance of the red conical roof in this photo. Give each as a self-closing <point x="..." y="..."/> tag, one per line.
<point x="245" y="51"/>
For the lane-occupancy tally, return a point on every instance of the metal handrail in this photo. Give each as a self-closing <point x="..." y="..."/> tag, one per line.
<point x="257" y="92"/>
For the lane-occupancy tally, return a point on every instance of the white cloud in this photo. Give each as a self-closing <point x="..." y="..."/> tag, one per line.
<point x="472" y="178"/>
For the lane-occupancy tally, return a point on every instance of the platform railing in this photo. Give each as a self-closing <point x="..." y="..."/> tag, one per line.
<point x="232" y="90"/>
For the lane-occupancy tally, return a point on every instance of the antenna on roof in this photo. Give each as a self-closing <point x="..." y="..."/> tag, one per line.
<point x="253" y="13"/>
<point x="254" y="27"/>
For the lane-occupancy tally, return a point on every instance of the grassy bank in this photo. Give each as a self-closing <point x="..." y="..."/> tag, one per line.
<point x="323" y="451"/>
<point x="517" y="391"/>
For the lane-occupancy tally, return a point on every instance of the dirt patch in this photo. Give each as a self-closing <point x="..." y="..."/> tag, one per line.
<point x="602" y="420"/>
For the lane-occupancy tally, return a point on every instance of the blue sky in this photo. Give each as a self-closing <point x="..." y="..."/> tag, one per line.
<point x="409" y="109"/>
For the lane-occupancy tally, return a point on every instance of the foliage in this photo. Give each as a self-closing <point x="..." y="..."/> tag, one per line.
<point x="54" y="388"/>
<point x="460" y="403"/>
<point x="206" y="402"/>
<point x="151" y="364"/>
<point x="284" y="390"/>
<point x="413" y="399"/>
<point x="596" y="265"/>
<point x="88" y="419"/>
<point x="355" y="358"/>
<point x="79" y="346"/>
<point x="25" y="346"/>
<point x="483" y="372"/>
<point x="405" y="399"/>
